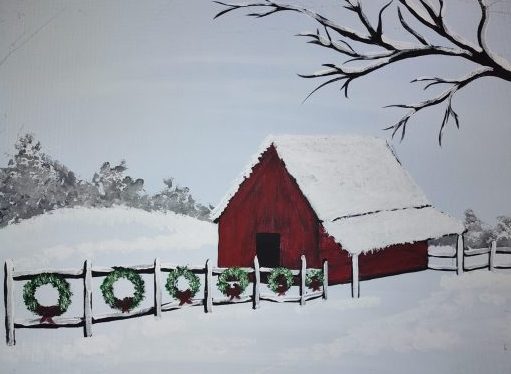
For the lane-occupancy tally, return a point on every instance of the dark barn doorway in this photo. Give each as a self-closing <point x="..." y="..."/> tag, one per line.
<point x="268" y="249"/>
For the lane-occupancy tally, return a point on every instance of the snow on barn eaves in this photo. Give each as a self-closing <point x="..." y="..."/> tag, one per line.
<point x="359" y="190"/>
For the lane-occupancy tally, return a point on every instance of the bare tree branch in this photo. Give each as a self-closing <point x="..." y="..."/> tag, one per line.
<point x="391" y="51"/>
<point x="444" y="96"/>
<point x="338" y="46"/>
<point x="407" y="27"/>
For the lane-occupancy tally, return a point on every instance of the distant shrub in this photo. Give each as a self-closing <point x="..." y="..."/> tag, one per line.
<point x="33" y="183"/>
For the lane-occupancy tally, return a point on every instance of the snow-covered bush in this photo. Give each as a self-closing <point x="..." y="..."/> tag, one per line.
<point x="34" y="183"/>
<point x="178" y="199"/>
<point x="478" y="234"/>
<point x="503" y="231"/>
<point x="116" y="188"/>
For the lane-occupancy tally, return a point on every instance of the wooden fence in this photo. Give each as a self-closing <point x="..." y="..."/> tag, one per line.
<point x="461" y="253"/>
<point x="88" y="272"/>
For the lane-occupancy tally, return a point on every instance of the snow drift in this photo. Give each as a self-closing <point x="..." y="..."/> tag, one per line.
<point x="108" y="236"/>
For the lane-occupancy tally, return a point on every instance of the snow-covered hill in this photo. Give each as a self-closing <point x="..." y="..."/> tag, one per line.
<point x="426" y="322"/>
<point x="107" y="236"/>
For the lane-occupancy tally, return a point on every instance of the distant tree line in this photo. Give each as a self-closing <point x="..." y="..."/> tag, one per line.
<point x="33" y="183"/>
<point x="479" y="234"/>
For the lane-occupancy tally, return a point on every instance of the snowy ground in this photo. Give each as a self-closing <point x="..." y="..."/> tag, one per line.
<point x="415" y="323"/>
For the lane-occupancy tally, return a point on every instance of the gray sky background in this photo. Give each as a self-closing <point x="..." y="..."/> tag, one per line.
<point x="174" y="93"/>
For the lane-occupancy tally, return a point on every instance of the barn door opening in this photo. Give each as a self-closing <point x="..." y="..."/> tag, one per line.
<point x="268" y="249"/>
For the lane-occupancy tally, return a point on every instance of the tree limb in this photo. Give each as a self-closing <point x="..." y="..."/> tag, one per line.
<point x="447" y="95"/>
<point x="391" y="51"/>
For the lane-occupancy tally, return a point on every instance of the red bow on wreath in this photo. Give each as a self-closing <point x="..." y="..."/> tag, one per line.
<point x="234" y="291"/>
<point x="184" y="297"/>
<point x="124" y="304"/>
<point x="315" y="284"/>
<point x="281" y="289"/>
<point x="281" y="285"/>
<point x="48" y="312"/>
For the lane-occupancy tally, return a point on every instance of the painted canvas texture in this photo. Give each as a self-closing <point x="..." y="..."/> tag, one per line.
<point x="172" y="198"/>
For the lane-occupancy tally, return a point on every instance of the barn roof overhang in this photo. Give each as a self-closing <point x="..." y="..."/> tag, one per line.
<point x="378" y="230"/>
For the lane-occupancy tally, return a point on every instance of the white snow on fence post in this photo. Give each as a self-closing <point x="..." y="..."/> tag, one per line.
<point x="493" y="252"/>
<point x="303" y="272"/>
<point x="9" y="302"/>
<point x="460" y="251"/>
<point x="355" y="290"/>
<point x="207" y="290"/>
<point x="257" y="283"/>
<point x="157" y="287"/>
<point x="87" y="299"/>
<point x="325" y="279"/>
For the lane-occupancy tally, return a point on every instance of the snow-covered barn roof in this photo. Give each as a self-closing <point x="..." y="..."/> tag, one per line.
<point x="352" y="183"/>
<point x="382" y="229"/>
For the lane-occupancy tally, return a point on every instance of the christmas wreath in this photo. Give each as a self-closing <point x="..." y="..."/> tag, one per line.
<point x="184" y="296"/>
<point x="127" y="303"/>
<point x="233" y="282"/>
<point x="280" y="280"/>
<point x="47" y="312"/>
<point x="314" y="279"/>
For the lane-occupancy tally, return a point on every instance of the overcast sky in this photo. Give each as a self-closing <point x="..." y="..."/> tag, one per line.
<point x="174" y="93"/>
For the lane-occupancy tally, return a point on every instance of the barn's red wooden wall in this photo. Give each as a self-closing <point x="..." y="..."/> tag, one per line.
<point x="396" y="259"/>
<point x="271" y="201"/>
<point x="339" y="261"/>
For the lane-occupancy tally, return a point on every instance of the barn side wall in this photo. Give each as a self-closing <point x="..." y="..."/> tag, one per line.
<point x="396" y="259"/>
<point x="339" y="260"/>
<point x="269" y="201"/>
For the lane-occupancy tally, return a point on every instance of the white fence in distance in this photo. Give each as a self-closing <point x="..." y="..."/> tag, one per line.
<point x="461" y="254"/>
<point x="88" y="272"/>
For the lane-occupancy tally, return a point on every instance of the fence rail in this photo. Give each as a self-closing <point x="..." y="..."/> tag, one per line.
<point x="207" y="300"/>
<point x="460" y="253"/>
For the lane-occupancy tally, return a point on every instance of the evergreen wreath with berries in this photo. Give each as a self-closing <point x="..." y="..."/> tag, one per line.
<point x="193" y="285"/>
<point x="47" y="312"/>
<point x="233" y="282"/>
<point x="128" y="303"/>
<point x="280" y="280"/>
<point x="314" y="279"/>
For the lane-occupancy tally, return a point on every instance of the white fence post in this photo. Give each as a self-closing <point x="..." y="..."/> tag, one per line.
<point x="87" y="299"/>
<point x="493" y="252"/>
<point x="207" y="289"/>
<point x="303" y="272"/>
<point x="9" y="302"/>
<point x="257" y="283"/>
<point x="325" y="279"/>
<point x="460" y="254"/>
<point x="157" y="287"/>
<point x="355" y="290"/>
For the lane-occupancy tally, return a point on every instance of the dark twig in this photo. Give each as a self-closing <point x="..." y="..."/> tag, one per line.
<point x="447" y="95"/>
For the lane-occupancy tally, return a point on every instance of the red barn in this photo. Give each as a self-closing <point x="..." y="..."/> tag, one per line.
<point x="331" y="197"/>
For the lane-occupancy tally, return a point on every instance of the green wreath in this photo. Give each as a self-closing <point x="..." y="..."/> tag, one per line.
<point x="280" y="280"/>
<point x="193" y="284"/>
<point x="47" y="312"/>
<point x="128" y="303"/>
<point x="314" y="279"/>
<point x="237" y="275"/>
